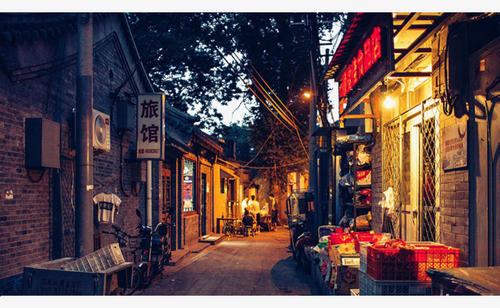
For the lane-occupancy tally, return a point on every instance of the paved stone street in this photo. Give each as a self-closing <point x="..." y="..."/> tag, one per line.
<point x="262" y="265"/>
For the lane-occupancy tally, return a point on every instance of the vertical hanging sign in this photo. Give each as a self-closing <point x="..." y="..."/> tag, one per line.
<point x="150" y="126"/>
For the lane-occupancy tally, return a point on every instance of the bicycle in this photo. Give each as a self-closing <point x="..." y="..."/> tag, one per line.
<point x="123" y="239"/>
<point x="229" y="229"/>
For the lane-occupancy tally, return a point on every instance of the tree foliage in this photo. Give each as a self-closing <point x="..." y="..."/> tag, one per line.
<point x="199" y="58"/>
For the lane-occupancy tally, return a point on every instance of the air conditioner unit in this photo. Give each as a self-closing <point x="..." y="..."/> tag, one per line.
<point x="101" y="138"/>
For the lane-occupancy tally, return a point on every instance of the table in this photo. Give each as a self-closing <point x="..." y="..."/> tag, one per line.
<point x="466" y="280"/>
<point x="225" y="220"/>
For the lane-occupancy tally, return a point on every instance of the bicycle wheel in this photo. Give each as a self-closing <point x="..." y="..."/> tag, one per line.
<point x="145" y="278"/>
<point x="136" y="280"/>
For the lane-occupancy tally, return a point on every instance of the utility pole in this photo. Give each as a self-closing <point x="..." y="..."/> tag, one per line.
<point x="313" y="40"/>
<point x="84" y="210"/>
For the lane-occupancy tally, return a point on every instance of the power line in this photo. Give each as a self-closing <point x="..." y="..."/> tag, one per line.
<point x="274" y="166"/>
<point x="294" y="126"/>
<point x="258" y="152"/>
<point x="265" y="105"/>
<point x="266" y="95"/>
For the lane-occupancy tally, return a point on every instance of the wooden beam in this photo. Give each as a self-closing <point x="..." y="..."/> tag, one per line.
<point x="411" y="74"/>
<point x="413" y="27"/>
<point x="358" y="116"/>
<point x="419" y="50"/>
<point x="406" y="23"/>
<point x="423" y="37"/>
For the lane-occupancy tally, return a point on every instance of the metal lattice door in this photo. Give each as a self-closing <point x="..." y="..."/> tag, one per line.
<point x="391" y="174"/>
<point x="430" y="162"/>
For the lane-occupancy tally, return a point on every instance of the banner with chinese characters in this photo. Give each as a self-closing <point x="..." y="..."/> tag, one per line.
<point x="150" y="126"/>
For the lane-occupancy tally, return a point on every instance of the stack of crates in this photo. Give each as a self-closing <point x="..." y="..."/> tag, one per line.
<point x="420" y="257"/>
<point x="401" y="270"/>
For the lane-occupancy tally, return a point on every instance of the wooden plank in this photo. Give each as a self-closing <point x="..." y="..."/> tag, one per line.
<point x="481" y="280"/>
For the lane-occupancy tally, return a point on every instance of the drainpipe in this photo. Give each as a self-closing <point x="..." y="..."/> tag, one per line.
<point x="149" y="193"/>
<point x="84" y="210"/>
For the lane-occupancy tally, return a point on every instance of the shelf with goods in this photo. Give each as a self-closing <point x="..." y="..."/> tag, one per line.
<point x="355" y="182"/>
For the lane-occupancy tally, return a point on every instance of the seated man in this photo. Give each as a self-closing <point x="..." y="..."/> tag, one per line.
<point x="248" y="220"/>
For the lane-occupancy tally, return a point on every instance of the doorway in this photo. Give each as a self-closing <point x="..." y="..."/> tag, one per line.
<point x="203" y="204"/>
<point x="411" y="167"/>
<point x="166" y="203"/>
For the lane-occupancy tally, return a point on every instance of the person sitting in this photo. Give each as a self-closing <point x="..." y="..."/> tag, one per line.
<point x="248" y="221"/>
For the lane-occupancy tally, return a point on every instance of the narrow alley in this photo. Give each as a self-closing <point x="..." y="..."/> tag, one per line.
<point x="260" y="265"/>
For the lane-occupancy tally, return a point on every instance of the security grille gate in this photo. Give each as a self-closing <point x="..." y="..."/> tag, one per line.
<point x="427" y="221"/>
<point x="429" y="204"/>
<point x="391" y="174"/>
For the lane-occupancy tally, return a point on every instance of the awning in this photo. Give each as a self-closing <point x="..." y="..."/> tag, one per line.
<point x="225" y="175"/>
<point x="409" y="33"/>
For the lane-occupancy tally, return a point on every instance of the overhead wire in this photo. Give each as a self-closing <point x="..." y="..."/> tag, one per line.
<point x="258" y="152"/>
<point x="263" y="94"/>
<point x="294" y="125"/>
<point x="281" y="111"/>
<point x="266" y="95"/>
<point x="255" y="94"/>
<point x="280" y="166"/>
<point x="277" y="97"/>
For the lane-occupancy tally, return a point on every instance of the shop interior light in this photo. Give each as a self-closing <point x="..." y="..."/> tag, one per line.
<point x="389" y="102"/>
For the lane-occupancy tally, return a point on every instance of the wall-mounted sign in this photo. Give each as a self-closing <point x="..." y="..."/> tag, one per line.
<point x="455" y="146"/>
<point x="150" y="126"/>
<point x="366" y="56"/>
<point x="370" y="60"/>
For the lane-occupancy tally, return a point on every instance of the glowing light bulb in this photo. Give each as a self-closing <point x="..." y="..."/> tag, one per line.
<point x="307" y="94"/>
<point x="389" y="102"/>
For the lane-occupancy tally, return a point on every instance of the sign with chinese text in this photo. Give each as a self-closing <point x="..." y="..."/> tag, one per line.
<point x="455" y="146"/>
<point x="150" y="126"/>
<point x="370" y="59"/>
<point x="364" y="58"/>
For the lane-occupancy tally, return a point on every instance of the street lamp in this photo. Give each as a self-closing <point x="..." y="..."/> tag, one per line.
<point x="307" y="94"/>
<point x="389" y="102"/>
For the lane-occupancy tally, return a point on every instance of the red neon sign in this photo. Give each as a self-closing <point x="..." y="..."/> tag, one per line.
<point x="363" y="60"/>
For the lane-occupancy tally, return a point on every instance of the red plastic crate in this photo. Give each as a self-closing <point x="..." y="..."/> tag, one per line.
<point x="421" y="257"/>
<point x="385" y="262"/>
<point x="366" y="237"/>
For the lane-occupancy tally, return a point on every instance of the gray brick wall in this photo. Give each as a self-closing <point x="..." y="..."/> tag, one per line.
<point x="26" y="220"/>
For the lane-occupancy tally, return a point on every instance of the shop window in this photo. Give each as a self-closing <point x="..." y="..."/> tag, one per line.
<point x="187" y="186"/>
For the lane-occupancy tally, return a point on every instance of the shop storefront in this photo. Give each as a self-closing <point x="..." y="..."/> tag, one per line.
<point x="428" y="167"/>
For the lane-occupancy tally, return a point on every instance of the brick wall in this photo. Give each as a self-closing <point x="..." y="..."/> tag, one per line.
<point x="453" y="218"/>
<point x="26" y="219"/>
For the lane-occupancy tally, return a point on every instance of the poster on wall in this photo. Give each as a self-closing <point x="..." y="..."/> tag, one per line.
<point x="187" y="188"/>
<point x="455" y="146"/>
<point x="150" y="126"/>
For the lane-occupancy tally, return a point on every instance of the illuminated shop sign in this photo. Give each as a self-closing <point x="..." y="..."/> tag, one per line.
<point x="369" y="57"/>
<point x="366" y="57"/>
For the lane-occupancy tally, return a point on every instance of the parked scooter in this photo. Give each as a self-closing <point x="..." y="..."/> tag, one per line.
<point x="155" y="250"/>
